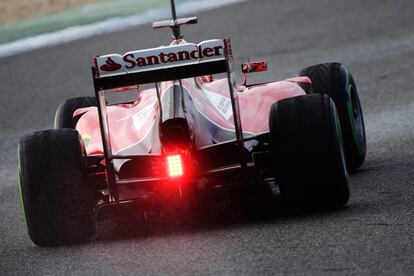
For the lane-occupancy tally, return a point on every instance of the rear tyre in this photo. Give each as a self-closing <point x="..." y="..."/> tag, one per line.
<point x="308" y="152"/>
<point x="64" y="114"/>
<point x="336" y="81"/>
<point x="57" y="203"/>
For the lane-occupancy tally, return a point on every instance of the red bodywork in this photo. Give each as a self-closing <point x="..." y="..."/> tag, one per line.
<point x="133" y="124"/>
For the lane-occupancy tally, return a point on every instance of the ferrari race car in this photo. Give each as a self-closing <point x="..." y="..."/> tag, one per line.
<point x="186" y="133"/>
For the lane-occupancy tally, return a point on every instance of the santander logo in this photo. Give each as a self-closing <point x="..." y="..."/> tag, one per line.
<point x="161" y="57"/>
<point x="110" y="65"/>
<point x="132" y="61"/>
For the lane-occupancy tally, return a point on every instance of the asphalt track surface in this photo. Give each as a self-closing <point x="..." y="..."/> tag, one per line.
<point x="372" y="235"/>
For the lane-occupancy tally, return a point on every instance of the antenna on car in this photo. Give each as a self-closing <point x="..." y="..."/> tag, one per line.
<point x="176" y="29"/>
<point x="175" y="23"/>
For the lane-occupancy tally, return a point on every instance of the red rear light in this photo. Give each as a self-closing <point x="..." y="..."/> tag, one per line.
<point x="175" y="165"/>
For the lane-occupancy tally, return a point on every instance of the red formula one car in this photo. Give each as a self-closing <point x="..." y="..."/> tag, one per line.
<point x="188" y="135"/>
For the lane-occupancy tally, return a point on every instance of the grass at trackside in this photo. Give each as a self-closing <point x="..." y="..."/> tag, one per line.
<point x="80" y="15"/>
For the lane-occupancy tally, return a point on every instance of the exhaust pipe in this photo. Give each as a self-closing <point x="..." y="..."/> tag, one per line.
<point x="175" y="135"/>
<point x="174" y="129"/>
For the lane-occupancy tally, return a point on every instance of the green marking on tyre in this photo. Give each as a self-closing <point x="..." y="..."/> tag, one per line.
<point x="349" y="109"/>
<point x="19" y="178"/>
<point x="55" y="121"/>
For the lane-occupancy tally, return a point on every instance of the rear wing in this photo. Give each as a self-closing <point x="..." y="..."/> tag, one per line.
<point x="162" y="64"/>
<point x="155" y="65"/>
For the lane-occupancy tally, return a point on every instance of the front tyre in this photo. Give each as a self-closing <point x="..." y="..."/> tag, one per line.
<point x="57" y="203"/>
<point x="64" y="114"/>
<point x="336" y="81"/>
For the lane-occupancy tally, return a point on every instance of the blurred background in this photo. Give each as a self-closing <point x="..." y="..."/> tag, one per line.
<point x="13" y="11"/>
<point x="27" y="25"/>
